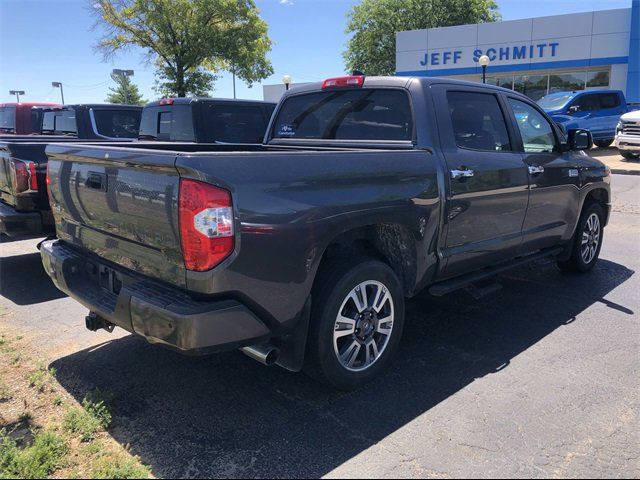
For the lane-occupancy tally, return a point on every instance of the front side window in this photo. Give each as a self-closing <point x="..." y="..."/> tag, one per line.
<point x="117" y="123"/>
<point x="536" y="131"/>
<point x="587" y="103"/>
<point x="364" y="114"/>
<point x="478" y="122"/>
<point x="237" y="123"/>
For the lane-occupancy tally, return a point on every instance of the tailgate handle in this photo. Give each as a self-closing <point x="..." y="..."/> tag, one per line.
<point x="96" y="181"/>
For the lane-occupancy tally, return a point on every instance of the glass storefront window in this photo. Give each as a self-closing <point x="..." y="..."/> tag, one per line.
<point x="567" y="82"/>
<point x="533" y="86"/>
<point x="598" y="79"/>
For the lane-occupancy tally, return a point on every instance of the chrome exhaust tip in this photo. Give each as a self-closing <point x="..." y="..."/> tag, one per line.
<point x="265" y="354"/>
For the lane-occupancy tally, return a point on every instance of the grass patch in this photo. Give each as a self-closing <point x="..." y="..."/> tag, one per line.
<point x="41" y="377"/>
<point x="39" y="460"/>
<point x="5" y="393"/>
<point x="94" y="417"/>
<point x="118" y="466"/>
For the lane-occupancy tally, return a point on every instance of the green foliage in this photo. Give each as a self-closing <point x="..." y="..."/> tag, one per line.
<point x="373" y="25"/>
<point x="39" y="460"/>
<point x="189" y="40"/>
<point x="86" y="423"/>
<point x="125" y="91"/>
<point x="119" y="466"/>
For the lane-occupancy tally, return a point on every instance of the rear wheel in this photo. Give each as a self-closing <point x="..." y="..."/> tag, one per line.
<point x="630" y="155"/>
<point x="603" y="143"/>
<point x="357" y="322"/>
<point x="587" y="241"/>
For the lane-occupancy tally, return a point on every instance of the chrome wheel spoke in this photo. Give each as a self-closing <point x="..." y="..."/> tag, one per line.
<point x="344" y="327"/>
<point x="585" y="238"/>
<point x="381" y="300"/>
<point x="385" y="326"/>
<point x="359" y="297"/>
<point x="372" y="352"/>
<point x="350" y="355"/>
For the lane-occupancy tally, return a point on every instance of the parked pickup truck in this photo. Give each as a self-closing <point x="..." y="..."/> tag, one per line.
<point x="302" y="250"/>
<point x="24" y="204"/>
<point x="21" y="118"/>
<point x="595" y="110"/>
<point x="628" y="135"/>
<point x="205" y="120"/>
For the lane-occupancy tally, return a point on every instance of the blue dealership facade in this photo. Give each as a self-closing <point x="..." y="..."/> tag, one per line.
<point x="535" y="56"/>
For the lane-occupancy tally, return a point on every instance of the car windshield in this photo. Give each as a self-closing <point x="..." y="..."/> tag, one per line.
<point x="554" y="102"/>
<point x="7" y="119"/>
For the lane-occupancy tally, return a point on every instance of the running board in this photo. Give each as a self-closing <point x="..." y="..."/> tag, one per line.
<point x="448" y="286"/>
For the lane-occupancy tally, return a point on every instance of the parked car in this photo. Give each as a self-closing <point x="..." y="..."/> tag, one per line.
<point x="301" y="251"/>
<point x="628" y="135"/>
<point x="595" y="110"/>
<point x="206" y="120"/>
<point x="92" y="121"/>
<point x="24" y="205"/>
<point x="21" y="118"/>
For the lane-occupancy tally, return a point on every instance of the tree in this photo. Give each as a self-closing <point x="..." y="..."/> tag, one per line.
<point x="189" y="40"/>
<point x="373" y="25"/>
<point x="125" y="91"/>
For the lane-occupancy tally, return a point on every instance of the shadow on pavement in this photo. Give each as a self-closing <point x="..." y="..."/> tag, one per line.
<point x="228" y="416"/>
<point x="24" y="281"/>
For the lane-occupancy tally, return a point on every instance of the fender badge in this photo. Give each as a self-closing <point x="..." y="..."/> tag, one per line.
<point x="574" y="173"/>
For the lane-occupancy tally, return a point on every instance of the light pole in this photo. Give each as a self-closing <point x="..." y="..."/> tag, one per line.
<point x="17" y="93"/>
<point x="287" y="81"/>
<point x="59" y="85"/>
<point x="484" y="61"/>
<point x="123" y="73"/>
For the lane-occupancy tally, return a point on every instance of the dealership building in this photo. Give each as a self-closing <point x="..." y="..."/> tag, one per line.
<point x="534" y="56"/>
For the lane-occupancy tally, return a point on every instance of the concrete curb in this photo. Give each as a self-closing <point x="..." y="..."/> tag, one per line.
<point x="620" y="171"/>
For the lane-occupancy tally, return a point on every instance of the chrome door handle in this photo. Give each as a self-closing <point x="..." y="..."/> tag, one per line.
<point x="534" y="170"/>
<point x="456" y="174"/>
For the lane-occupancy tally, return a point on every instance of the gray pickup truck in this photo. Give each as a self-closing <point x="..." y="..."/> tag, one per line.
<point x="301" y="251"/>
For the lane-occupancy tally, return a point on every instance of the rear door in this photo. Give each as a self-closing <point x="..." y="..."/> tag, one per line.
<point x="488" y="186"/>
<point x="554" y="178"/>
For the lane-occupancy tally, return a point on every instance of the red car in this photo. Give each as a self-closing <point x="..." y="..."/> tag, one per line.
<point x="21" y="118"/>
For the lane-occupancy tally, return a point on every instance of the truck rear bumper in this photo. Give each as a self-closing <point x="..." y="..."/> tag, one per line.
<point x="160" y="313"/>
<point x="19" y="224"/>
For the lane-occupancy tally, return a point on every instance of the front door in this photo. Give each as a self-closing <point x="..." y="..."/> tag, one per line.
<point x="554" y="179"/>
<point x="488" y="184"/>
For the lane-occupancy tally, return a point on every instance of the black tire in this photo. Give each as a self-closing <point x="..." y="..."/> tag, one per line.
<point x="603" y="143"/>
<point x="336" y="280"/>
<point x="630" y="155"/>
<point x="577" y="263"/>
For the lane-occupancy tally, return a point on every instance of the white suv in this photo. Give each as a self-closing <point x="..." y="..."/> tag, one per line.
<point x="628" y="135"/>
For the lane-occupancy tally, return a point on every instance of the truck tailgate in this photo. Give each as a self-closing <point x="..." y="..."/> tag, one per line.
<point x="120" y="205"/>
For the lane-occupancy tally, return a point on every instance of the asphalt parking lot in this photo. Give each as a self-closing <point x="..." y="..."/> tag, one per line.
<point x="539" y="380"/>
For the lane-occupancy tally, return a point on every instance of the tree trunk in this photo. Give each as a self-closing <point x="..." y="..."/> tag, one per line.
<point x="180" y="86"/>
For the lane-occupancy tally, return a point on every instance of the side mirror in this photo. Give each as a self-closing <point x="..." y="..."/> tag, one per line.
<point x="580" y="139"/>
<point x="573" y="109"/>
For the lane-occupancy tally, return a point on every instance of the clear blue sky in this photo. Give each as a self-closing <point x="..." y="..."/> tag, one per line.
<point x="52" y="40"/>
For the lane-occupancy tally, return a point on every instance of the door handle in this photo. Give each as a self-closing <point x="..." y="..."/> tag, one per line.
<point x="460" y="174"/>
<point x="536" y="170"/>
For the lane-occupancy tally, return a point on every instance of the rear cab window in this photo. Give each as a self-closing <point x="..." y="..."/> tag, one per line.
<point x="374" y="114"/>
<point x="167" y="123"/>
<point x="7" y="119"/>
<point x="231" y="123"/>
<point x="59" y="122"/>
<point x="116" y="123"/>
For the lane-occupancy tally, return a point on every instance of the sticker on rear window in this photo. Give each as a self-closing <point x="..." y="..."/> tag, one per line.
<point x="287" y="131"/>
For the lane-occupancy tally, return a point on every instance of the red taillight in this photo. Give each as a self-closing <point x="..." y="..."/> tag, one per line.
<point x="206" y="225"/>
<point x="344" y="82"/>
<point x="24" y="176"/>
<point x="166" y="101"/>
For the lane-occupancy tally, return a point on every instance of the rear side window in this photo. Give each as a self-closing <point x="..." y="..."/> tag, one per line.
<point x="366" y="114"/>
<point x="170" y="123"/>
<point x="7" y="119"/>
<point x="237" y="123"/>
<point x="117" y="123"/>
<point x="478" y="121"/>
<point x="59" y="123"/>
<point x="609" y="100"/>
